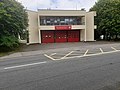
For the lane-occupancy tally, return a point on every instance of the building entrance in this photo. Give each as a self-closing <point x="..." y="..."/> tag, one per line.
<point x="59" y="36"/>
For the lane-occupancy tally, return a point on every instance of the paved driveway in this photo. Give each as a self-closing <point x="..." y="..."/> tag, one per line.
<point x="47" y="46"/>
<point x="83" y="51"/>
<point x="65" y="50"/>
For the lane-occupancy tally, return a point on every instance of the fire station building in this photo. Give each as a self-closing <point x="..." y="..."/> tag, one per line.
<point x="55" y="26"/>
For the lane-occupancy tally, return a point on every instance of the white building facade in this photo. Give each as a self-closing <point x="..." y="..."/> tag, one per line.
<point x="55" y="26"/>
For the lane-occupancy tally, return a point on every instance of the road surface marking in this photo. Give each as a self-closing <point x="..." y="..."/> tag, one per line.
<point x="53" y="54"/>
<point x="67" y="55"/>
<point x="49" y="57"/>
<point x="91" y="55"/>
<point x="86" y="52"/>
<point x="101" y="50"/>
<point x="114" y="48"/>
<point x="25" y="65"/>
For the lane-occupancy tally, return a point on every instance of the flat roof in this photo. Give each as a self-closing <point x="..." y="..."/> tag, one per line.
<point x="58" y="10"/>
<point x="31" y="10"/>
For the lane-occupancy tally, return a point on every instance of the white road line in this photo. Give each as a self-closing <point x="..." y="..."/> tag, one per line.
<point x="49" y="57"/>
<point x="25" y="65"/>
<point x="101" y="50"/>
<point x="86" y="52"/>
<point x="67" y="55"/>
<point x="91" y="55"/>
<point x="53" y="54"/>
<point x="88" y="55"/>
<point x="114" y="48"/>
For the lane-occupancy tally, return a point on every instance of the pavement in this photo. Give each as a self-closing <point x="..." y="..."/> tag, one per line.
<point x="53" y="49"/>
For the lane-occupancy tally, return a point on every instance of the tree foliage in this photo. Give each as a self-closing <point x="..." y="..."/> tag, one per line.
<point x="13" y="21"/>
<point x="8" y="43"/>
<point x="108" y="18"/>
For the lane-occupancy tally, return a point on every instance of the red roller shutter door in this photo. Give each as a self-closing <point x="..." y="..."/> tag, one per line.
<point x="47" y="36"/>
<point x="60" y="36"/>
<point x="74" y="36"/>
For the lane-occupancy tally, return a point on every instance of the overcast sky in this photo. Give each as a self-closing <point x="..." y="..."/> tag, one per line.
<point x="57" y="4"/>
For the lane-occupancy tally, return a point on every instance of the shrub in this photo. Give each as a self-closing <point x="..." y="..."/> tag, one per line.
<point x="8" y="43"/>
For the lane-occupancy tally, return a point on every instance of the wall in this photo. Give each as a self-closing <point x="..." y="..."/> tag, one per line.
<point x="53" y="27"/>
<point x="90" y="26"/>
<point x="61" y="13"/>
<point x="82" y="35"/>
<point x="33" y="27"/>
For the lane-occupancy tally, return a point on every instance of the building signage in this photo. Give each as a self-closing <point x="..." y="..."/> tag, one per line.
<point x="67" y="27"/>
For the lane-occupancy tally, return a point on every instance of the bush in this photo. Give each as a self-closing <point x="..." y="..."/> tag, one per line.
<point x="8" y="43"/>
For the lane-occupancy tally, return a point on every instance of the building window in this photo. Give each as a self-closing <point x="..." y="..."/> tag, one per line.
<point x="67" y="21"/>
<point x="62" y="20"/>
<point x="83" y="20"/>
<point x="42" y="20"/>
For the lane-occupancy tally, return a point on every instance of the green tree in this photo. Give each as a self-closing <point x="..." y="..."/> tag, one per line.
<point x="108" y="18"/>
<point x="13" y="22"/>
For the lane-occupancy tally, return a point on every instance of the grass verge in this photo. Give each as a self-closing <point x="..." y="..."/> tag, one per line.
<point x="19" y="49"/>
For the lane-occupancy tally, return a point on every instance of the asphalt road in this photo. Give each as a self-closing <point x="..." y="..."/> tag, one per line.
<point x="101" y="72"/>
